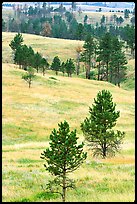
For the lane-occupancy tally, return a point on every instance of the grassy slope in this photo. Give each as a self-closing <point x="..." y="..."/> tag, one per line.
<point x="48" y="47"/>
<point x="29" y="115"/>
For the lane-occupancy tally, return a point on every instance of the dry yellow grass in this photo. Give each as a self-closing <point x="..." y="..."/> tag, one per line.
<point x="48" y="47"/>
<point x="28" y="117"/>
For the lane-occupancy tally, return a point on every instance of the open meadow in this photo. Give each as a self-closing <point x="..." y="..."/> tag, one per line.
<point x="29" y="116"/>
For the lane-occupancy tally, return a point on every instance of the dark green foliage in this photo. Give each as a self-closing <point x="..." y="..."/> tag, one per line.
<point x="85" y="19"/>
<point x="119" y="20"/>
<point x="18" y="56"/>
<point x="63" y="156"/>
<point x="70" y="67"/>
<point x="56" y="64"/>
<point x="98" y="127"/>
<point x="129" y="35"/>
<point x="89" y="50"/>
<point x="126" y="13"/>
<point x="102" y="21"/>
<point x="16" y="42"/>
<point x="3" y="25"/>
<point x="105" y="50"/>
<point x="24" y="56"/>
<point x="44" y="65"/>
<point x="80" y="31"/>
<point x="28" y="77"/>
<point x="117" y="63"/>
<point x="63" y="68"/>
<point x="37" y="61"/>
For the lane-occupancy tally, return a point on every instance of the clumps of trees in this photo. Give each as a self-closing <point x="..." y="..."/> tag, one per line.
<point x="25" y="57"/>
<point x="65" y="155"/>
<point x="65" y="67"/>
<point x="106" y="57"/>
<point x="63" y="24"/>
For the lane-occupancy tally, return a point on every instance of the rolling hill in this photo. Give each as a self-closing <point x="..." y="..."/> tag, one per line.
<point x="29" y="115"/>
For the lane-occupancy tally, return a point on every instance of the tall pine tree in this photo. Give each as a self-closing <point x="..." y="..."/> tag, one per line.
<point x="98" y="127"/>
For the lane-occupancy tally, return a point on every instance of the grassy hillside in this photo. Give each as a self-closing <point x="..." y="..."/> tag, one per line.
<point x="48" y="47"/>
<point x="28" y="117"/>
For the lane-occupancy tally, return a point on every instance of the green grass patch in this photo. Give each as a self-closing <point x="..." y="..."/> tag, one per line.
<point x="27" y="161"/>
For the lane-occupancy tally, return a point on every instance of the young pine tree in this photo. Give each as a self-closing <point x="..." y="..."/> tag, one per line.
<point x="28" y="77"/>
<point x="63" y="156"/>
<point x="98" y="127"/>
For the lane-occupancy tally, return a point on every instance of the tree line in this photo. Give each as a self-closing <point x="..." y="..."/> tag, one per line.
<point x="25" y="57"/>
<point x="104" y="59"/>
<point x="63" y="24"/>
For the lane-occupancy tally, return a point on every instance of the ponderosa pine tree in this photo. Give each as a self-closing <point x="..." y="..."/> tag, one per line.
<point x="37" y="61"/>
<point x="117" y="64"/>
<point x="44" y="65"/>
<point x="56" y="64"/>
<point x="97" y="128"/>
<point x="70" y="67"/>
<point x="63" y="68"/>
<point x="16" y="42"/>
<point x="89" y="50"/>
<point x="63" y="156"/>
<point x="105" y="47"/>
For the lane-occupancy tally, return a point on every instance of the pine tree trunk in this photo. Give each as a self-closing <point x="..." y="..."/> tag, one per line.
<point x="118" y="78"/>
<point x="99" y="71"/>
<point x="87" y="71"/>
<point x="107" y="72"/>
<point x="64" y="187"/>
<point x="78" y="65"/>
<point x="29" y="83"/>
<point x="104" y="151"/>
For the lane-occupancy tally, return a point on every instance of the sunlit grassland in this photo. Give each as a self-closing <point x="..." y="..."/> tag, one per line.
<point x="28" y="117"/>
<point x="48" y="47"/>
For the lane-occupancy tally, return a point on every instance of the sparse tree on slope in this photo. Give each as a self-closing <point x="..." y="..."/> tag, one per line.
<point x="28" y="77"/>
<point x="63" y="156"/>
<point x="98" y="127"/>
